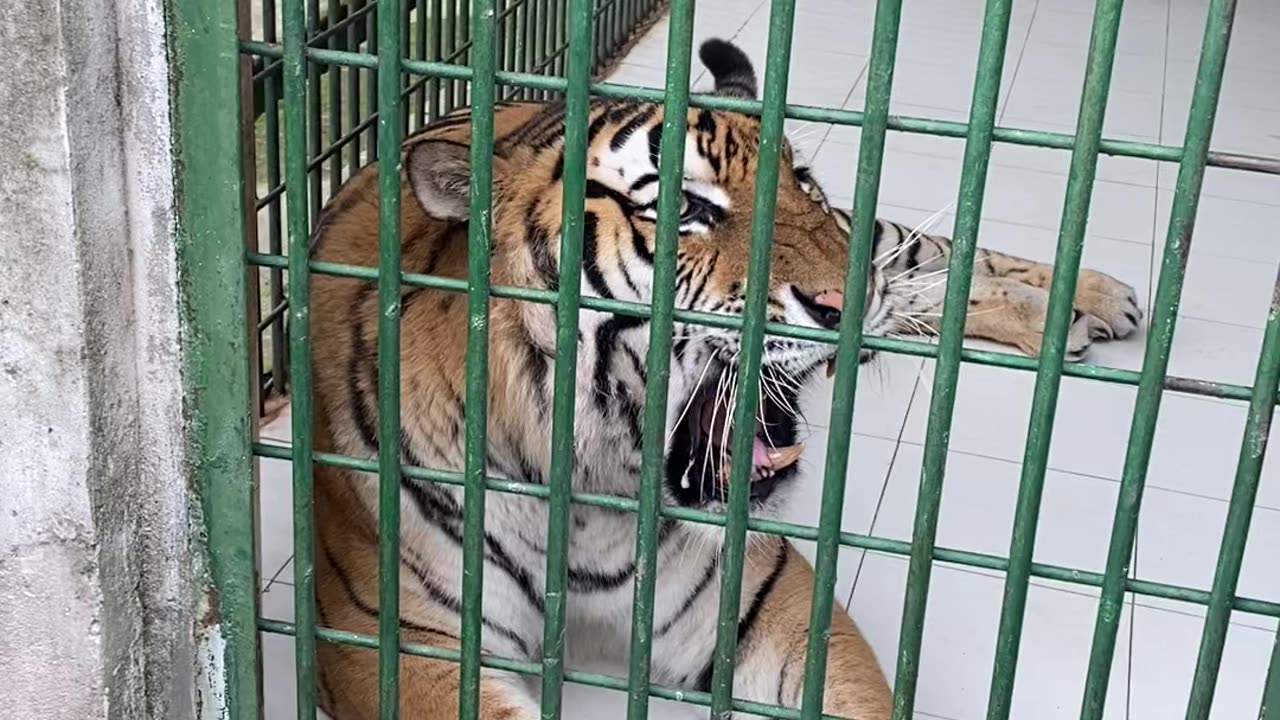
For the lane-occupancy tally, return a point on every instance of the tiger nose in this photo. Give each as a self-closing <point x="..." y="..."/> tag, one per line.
<point x="826" y="308"/>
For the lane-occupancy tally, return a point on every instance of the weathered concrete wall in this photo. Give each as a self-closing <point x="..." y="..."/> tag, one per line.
<point x="96" y="589"/>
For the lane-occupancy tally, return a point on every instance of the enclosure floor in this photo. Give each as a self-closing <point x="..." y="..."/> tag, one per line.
<point x="1232" y="267"/>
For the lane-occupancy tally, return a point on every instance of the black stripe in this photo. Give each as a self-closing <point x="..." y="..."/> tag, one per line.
<point x="498" y="555"/>
<point x="703" y="683"/>
<point x="592" y="581"/>
<point x="445" y="515"/>
<point x="696" y="294"/>
<point x="644" y="181"/>
<point x="439" y="595"/>
<point x="624" y="133"/>
<point x="540" y="248"/>
<point x="598" y="123"/>
<point x="359" y="359"/>
<point x="590" y="256"/>
<point x="749" y="620"/>
<point x="537" y="360"/>
<point x="606" y="345"/>
<point x="655" y="143"/>
<point x="639" y="244"/>
<point x="597" y="189"/>
<point x="348" y="589"/>
<point x="557" y="171"/>
<point x="703" y="583"/>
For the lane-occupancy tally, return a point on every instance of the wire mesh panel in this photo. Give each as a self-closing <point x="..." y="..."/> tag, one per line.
<point x="337" y="86"/>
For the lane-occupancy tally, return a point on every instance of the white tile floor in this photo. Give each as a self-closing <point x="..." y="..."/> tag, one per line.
<point x="1233" y="264"/>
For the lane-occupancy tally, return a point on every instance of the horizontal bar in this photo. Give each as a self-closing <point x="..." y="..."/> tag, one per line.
<point x="902" y="123"/>
<point x="1266" y="608"/>
<point x="608" y="682"/>
<point x="916" y="348"/>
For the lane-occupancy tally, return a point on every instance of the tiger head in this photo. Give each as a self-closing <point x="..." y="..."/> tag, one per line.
<point x="810" y="245"/>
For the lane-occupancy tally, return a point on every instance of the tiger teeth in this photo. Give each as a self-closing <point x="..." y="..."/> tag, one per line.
<point x="778" y="459"/>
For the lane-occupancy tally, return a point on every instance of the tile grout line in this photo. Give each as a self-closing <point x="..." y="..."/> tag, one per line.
<point x="884" y="487"/>
<point x="1022" y="51"/>
<point x="1152" y="279"/>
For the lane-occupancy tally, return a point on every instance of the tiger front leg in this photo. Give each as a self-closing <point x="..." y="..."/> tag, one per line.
<point x="1013" y="312"/>
<point x="771" y="657"/>
<point x="1112" y="304"/>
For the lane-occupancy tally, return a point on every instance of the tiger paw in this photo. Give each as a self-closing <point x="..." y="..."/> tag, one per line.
<point x="1112" y="305"/>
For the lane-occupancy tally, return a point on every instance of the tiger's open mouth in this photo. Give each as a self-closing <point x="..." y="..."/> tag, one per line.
<point x="700" y="456"/>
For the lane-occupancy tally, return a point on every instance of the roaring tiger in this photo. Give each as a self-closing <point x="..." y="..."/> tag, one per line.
<point x="810" y="245"/>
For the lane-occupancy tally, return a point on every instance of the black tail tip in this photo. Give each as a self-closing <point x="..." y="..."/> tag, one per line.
<point x="723" y="58"/>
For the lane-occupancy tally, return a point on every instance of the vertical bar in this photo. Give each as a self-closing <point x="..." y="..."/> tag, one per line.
<point x="210" y="240"/>
<point x="390" y="132"/>
<point x="482" y="87"/>
<point x="675" y="113"/>
<point x="371" y="97"/>
<point x="1075" y="216"/>
<point x="433" y="49"/>
<point x="1253" y="449"/>
<point x="973" y="180"/>
<point x="777" y="64"/>
<point x="335" y="98"/>
<point x="314" y="119"/>
<point x="577" y="110"/>
<point x="1155" y="361"/>
<point x="445" y="31"/>
<point x="420" y="45"/>
<point x="353" y="91"/>
<point x="296" y="90"/>
<point x="1270" y="709"/>
<point x="406" y="16"/>
<point x="275" y="278"/>
<point x="462" y="30"/>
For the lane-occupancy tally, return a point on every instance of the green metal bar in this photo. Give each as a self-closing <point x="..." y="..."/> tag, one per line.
<point x="391" y="125"/>
<point x="434" y="91"/>
<point x="1075" y="217"/>
<point x="371" y="90"/>
<point x="423" y="53"/>
<point x="1155" y="362"/>
<point x="861" y="242"/>
<point x="406" y="16"/>
<point x="733" y="551"/>
<point x="996" y="563"/>
<point x="880" y="83"/>
<point x="335" y="94"/>
<point x="315" y="126"/>
<point x="675" y="116"/>
<point x="215" y="351"/>
<point x="463" y="39"/>
<point x="275" y="278"/>
<point x="359" y="8"/>
<point x="296" y="90"/>
<point x="577" y="112"/>
<point x="915" y="348"/>
<point x="478" y="244"/>
<point x="854" y="118"/>
<point x="1253" y="448"/>
<point x="1270" y="709"/>
<point x="1248" y="469"/>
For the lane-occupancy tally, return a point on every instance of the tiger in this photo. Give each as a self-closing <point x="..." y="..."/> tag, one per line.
<point x="810" y="245"/>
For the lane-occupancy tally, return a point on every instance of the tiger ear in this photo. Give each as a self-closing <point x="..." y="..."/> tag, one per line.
<point x="439" y="172"/>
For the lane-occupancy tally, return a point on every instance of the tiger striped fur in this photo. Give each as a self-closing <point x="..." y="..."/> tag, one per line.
<point x="810" y="244"/>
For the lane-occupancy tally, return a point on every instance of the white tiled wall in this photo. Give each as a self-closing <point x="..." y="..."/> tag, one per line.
<point x="1233" y="265"/>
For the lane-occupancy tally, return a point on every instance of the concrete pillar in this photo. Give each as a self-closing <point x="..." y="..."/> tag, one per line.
<point x="98" y="588"/>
